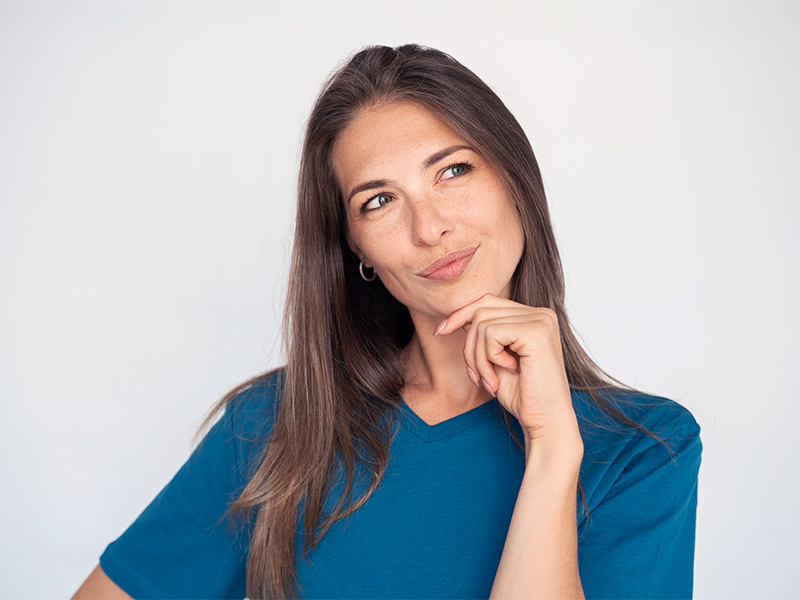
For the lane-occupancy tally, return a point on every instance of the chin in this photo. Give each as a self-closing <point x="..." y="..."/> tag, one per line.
<point x="444" y="302"/>
<point x="461" y="300"/>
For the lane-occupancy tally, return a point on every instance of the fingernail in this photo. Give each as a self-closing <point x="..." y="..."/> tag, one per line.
<point x="472" y="377"/>
<point x="487" y="386"/>
<point x="439" y="328"/>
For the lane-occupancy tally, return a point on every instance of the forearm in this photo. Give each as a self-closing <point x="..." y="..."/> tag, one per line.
<point x="540" y="556"/>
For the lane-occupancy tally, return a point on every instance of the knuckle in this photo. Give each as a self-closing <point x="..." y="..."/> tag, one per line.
<point x="549" y="313"/>
<point x="548" y="319"/>
<point x="539" y="332"/>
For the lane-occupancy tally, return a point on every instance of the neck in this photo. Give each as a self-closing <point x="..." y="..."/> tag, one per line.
<point x="436" y="383"/>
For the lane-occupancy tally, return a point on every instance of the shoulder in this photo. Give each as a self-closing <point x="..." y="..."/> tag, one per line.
<point x="252" y="406"/>
<point x="617" y="454"/>
<point x="251" y="410"/>
<point x="179" y="546"/>
<point x="664" y="418"/>
<point x="637" y="519"/>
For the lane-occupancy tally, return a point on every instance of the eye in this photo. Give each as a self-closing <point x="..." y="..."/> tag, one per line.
<point x="456" y="170"/>
<point x="376" y="202"/>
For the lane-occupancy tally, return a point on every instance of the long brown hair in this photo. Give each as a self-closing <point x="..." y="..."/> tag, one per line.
<point x="342" y="378"/>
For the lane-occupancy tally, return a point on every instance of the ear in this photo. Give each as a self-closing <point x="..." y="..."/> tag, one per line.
<point x="355" y="249"/>
<point x="351" y="243"/>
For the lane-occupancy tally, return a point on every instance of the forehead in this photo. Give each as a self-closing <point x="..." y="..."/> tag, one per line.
<point x="384" y="138"/>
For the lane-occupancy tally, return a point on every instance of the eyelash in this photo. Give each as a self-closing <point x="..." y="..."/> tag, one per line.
<point x="459" y="164"/>
<point x="468" y="168"/>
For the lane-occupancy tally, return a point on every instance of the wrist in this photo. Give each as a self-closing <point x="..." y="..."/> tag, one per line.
<point x="554" y="453"/>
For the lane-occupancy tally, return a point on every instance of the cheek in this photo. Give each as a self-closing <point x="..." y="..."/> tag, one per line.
<point x="518" y="236"/>
<point x="496" y="218"/>
<point x="383" y="248"/>
<point x="378" y="246"/>
<point x="506" y="229"/>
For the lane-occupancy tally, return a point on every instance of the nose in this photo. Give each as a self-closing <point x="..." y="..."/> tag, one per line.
<point x="430" y="219"/>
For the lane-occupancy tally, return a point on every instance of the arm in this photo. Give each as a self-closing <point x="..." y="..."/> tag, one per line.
<point x="540" y="556"/>
<point x="98" y="586"/>
<point x="514" y="351"/>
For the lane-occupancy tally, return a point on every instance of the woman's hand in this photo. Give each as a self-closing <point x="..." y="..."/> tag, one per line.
<point x="514" y="351"/>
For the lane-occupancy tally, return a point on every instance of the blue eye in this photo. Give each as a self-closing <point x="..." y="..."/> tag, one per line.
<point x="376" y="202"/>
<point x="455" y="170"/>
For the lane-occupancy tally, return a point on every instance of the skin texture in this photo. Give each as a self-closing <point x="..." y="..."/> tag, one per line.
<point x="471" y="342"/>
<point x="428" y="212"/>
<point x="98" y="586"/>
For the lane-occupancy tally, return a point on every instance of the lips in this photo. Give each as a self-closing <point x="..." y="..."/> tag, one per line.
<point x="449" y="266"/>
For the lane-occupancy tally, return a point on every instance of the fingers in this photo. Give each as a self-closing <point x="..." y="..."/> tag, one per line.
<point x="488" y="345"/>
<point x="500" y="333"/>
<point x="465" y="315"/>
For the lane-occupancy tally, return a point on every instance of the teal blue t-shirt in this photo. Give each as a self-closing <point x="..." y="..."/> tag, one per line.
<point x="436" y="526"/>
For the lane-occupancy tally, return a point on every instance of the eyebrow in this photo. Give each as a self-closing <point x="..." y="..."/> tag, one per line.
<point x="426" y="164"/>
<point x="367" y="185"/>
<point x="442" y="154"/>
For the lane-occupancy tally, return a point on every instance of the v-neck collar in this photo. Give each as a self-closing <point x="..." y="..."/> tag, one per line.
<point x="452" y="426"/>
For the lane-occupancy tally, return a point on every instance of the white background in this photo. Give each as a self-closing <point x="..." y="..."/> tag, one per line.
<point x="148" y="155"/>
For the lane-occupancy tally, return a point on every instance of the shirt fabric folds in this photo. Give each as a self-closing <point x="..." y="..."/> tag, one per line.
<point x="436" y="526"/>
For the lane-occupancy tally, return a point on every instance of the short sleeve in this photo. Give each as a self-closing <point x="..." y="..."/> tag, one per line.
<point x="638" y="541"/>
<point x="181" y="545"/>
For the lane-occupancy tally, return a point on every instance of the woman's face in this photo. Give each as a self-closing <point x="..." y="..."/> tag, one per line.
<point x="425" y="210"/>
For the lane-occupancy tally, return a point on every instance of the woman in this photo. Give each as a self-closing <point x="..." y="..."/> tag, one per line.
<point x="426" y="334"/>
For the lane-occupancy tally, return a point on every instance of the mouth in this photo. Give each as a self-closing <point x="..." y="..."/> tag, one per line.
<point x="449" y="266"/>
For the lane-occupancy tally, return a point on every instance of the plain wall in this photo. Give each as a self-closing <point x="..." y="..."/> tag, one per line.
<point x="148" y="156"/>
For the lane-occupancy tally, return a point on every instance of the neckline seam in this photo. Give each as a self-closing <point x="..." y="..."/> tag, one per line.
<point x="448" y="428"/>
